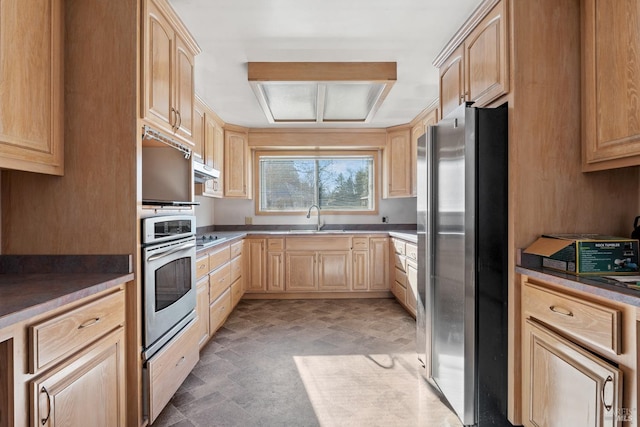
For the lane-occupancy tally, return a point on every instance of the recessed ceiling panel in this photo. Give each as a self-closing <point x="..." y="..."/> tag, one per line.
<point x="291" y="101"/>
<point x="350" y="101"/>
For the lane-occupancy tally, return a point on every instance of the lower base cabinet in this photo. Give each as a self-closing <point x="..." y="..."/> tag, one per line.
<point x="568" y="385"/>
<point x="219" y="310"/>
<point x="88" y="391"/>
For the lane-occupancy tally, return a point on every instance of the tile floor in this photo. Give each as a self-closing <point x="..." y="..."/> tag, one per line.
<point x="342" y="363"/>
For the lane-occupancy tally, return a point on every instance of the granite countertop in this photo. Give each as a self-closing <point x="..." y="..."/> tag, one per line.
<point x="596" y="285"/>
<point x="32" y="285"/>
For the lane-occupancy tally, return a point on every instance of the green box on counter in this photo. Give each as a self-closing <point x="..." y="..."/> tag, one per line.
<point x="587" y="253"/>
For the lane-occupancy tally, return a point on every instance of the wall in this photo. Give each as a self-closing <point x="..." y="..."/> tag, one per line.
<point x="233" y="212"/>
<point x="205" y="211"/>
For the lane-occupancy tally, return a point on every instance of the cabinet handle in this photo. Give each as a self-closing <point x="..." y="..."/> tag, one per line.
<point x="175" y="118"/>
<point x="179" y="116"/>
<point x="44" y="420"/>
<point x="560" y="310"/>
<point x="180" y="361"/>
<point x="89" y="322"/>
<point x="608" y="380"/>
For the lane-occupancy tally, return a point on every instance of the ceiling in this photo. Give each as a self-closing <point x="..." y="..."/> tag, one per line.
<point x="232" y="33"/>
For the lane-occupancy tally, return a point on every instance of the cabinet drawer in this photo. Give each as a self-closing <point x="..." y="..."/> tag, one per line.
<point x="202" y="266"/>
<point x="400" y="261"/>
<point x="411" y="251"/>
<point x="63" y="335"/>
<point x="401" y="277"/>
<point x="219" y="281"/>
<point x="169" y="368"/>
<point x="219" y="257"/>
<point x="236" y="292"/>
<point x="219" y="310"/>
<point x="399" y="291"/>
<point x="275" y="244"/>
<point x="236" y="269"/>
<point x="399" y="246"/>
<point x="236" y="249"/>
<point x="360" y="243"/>
<point x="585" y="321"/>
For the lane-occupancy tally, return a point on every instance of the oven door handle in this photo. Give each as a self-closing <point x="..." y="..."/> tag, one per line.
<point x="171" y="251"/>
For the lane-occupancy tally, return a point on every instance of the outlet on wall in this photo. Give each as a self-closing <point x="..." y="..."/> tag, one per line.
<point x="248" y="220"/>
<point x="385" y="219"/>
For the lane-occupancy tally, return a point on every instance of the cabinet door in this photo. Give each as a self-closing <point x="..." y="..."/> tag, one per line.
<point x="398" y="167"/>
<point x="88" y="391"/>
<point x="184" y="89"/>
<point x="452" y="82"/>
<point x="300" y="267"/>
<point x="255" y="266"/>
<point x="566" y="385"/>
<point x="611" y="83"/>
<point x="202" y="310"/>
<point x="486" y="60"/>
<point x="198" y="136"/>
<point x="217" y="158"/>
<point x="379" y="263"/>
<point x="412" y="286"/>
<point x="236" y="165"/>
<point x="275" y="271"/>
<point x="334" y="270"/>
<point x="360" y="270"/>
<point x="158" y="72"/>
<point x="31" y="85"/>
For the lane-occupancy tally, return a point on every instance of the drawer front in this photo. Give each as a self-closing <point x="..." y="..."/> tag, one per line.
<point x="202" y="266"/>
<point x="400" y="261"/>
<point x="63" y="335"/>
<point x="219" y="281"/>
<point x="399" y="246"/>
<point x="399" y="291"/>
<point x="236" y="269"/>
<point x="586" y="321"/>
<point x="411" y="251"/>
<point x="316" y="243"/>
<point x="219" y="257"/>
<point x="401" y="277"/>
<point x="236" y="292"/>
<point x="275" y="244"/>
<point x="360" y="243"/>
<point x="236" y="249"/>
<point x="219" y="310"/>
<point x="169" y="368"/>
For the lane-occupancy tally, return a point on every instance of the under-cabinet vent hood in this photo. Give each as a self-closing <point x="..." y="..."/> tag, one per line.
<point x="202" y="172"/>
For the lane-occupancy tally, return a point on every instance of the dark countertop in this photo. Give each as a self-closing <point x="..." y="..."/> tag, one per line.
<point x="32" y="285"/>
<point x="596" y="285"/>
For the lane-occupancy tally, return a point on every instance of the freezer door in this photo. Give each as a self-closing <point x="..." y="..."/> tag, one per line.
<point x="453" y="335"/>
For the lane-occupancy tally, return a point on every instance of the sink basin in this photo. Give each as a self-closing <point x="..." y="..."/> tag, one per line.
<point x="315" y="231"/>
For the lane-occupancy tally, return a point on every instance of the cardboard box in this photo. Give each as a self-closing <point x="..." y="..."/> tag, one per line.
<point x="587" y="253"/>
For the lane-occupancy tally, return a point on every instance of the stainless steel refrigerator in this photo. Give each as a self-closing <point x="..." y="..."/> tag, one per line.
<point x="462" y="277"/>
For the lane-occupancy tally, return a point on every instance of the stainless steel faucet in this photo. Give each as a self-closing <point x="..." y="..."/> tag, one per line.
<point x="309" y="215"/>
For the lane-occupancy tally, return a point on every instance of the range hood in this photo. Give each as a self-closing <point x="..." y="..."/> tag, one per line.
<point x="202" y="172"/>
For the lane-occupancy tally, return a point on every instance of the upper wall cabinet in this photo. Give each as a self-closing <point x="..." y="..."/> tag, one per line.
<point x="31" y="85"/>
<point x="398" y="164"/>
<point x="168" y="71"/>
<point x="610" y="84"/>
<point x="237" y="165"/>
<point x="477" y="69"/>
<point x="208" y="137"/>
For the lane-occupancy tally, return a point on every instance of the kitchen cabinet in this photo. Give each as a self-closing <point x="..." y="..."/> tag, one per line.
<point x="579" y="357"/>
<point x="610" y="84"/>
<point x="301" y="271"/>
<point x="88" y="390"/>
<point x="198" y="137"/>
<point x="202" y="310"/>
<point x="334" y="270"/>
<point x="405" y="276"/>
<point x="318" y="264"/>
<point x="398" y="167"/>
<point x="360" y="257"/>
<point x="255" y="266"/>
<point x="237" y="165"/>
<point x="168" y="71"/>
<point x="275" y="265"/>
<point x="477" y="70"/>
<point x="379" y="262"/>
<point x="31" y="86"/>
<point x="212" y="151"/>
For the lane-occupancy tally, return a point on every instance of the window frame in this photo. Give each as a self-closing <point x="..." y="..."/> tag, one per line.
<point x="377" y="182"/>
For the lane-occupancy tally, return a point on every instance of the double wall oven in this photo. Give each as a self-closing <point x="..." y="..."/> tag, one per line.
<point x="169" y="292"/>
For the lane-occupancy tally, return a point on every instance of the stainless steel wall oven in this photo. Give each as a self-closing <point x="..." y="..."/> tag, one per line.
<point x="168" y="263"/>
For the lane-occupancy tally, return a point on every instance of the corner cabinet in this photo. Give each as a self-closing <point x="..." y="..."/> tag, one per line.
<point x="31" y="86"/>
<point x="208" y="138"/>
<point x="477" y="70"/>
<point x="610" y="84"/>
<point x="168" y="71"/>
<point x="398" y="164"/>
<point x="237" y="165"/>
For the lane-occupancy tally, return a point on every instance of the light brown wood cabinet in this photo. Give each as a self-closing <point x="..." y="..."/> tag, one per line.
<point x="208" y="137"/>
<point x="202" y="310"/>
<point x="255" y="265"/>
<point x="168" y="71"/>
<point x="610" y="84"/>
<point x="579" y="357"/>
<point x="405" y="276"/>
<point x="237" y="165"/>
<point x="478" y="69"/>
<point x="199" y="109"/>
<point x="398" y="164"/>
<point x="334" y="270"/>
<point x="275" y="265"/>
<point x="31" y="86"/>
